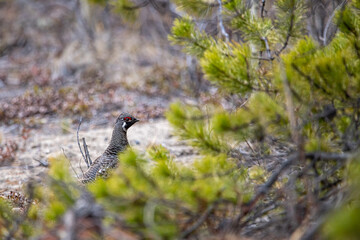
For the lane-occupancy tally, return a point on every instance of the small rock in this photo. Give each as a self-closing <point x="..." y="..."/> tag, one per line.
<point x="16" y="210"/>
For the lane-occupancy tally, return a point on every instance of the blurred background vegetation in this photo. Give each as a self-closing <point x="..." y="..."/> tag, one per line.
<point x="266" y="91"/>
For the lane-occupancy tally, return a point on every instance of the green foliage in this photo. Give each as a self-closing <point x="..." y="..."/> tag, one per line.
<point x="61" y="192"/>
<point x="234" y="6"/>
<point x="6" y="216"/>
<point x="196" y="8"/>
<point x="324" y="73"/>
<point x="193" y="41"/>
<point x="257" y="173"/>
<point x="321" y="80"/>
<point x="49" y="201"/>
<point x="190" y="125"/>
<point x="100" y="2"/>
<point x="302" y="94"/>
<point x="251" y="122"/>
<point x="255" y="30"/>
<point x="156" y="198"/>
<point x="14" y="223"/>
<point x="290" y="18"/>
<point x="343" y="223"/>
<point x="348" y="21"/>
<point x="126" y="9"/>
<point x="229" y="66"/>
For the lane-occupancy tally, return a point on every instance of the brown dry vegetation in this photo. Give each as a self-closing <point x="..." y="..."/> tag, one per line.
<point x="57" y="61"/>
<point x="60" y="61"/>
<point x="7" y="153"/>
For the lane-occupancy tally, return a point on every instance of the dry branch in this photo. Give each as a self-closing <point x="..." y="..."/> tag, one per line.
<point x="70" y="163"/>
<point x="221" y="25"/>
<point x="262" y="8"/>
<point x="78" y="141"/>
<point x="87" y="155"/>
<point x="199" y="222"/>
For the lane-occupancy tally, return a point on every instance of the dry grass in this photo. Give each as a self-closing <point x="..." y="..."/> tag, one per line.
<point x="8" y="153"/>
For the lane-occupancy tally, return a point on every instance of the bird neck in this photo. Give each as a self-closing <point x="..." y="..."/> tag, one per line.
<point x="118" y="141"/>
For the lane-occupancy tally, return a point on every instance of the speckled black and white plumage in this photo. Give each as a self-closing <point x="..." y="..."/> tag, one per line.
<point x="118" y="144"/>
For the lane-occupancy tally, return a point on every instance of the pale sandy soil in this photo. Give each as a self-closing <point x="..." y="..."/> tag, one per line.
<point x="43" y="145"/>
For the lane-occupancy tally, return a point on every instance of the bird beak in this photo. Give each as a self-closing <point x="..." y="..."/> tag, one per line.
<point x="136" y="120"/>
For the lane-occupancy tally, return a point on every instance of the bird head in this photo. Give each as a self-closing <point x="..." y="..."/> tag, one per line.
<point x="126" y="120"/>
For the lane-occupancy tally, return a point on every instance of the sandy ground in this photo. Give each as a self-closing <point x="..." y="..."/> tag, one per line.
<point x="43" y="145"/>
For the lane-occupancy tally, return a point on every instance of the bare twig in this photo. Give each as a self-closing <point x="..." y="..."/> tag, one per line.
<point x="87" y="155"/>
<point x="266" y="187"/>
<point x="157" y="7"/>
<point x="78" y="141"/>
<point x="70" y="163"/>
<point x="221" y="25"/>
<point x="247" y="143"/>
<point x="288" y="35"/>
<point x="261" y="211"/>
<point x="263" y="189"/>
<point x="329" y="21"/>
<point x="262" y="8"/>
<point x="88" y="30"/>
<point x="199" y="222"/>
<point x="262" y="58"/>
<point x="120" y="221"/>
<point x="328" y="156"/>
<point x="82" y="171"/>
<point x="216" y="4"/>
<point x="290" y="108"/>
<point x="268" y="51"/>
<point x="311" y="231"/>
<point x="42" y="163"/>
<point x="243" y="104"/>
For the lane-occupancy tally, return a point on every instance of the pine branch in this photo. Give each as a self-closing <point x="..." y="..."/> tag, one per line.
<point x="310" y="80"/>
<point x="247" y="85"/>
<point x="290" y="29"/>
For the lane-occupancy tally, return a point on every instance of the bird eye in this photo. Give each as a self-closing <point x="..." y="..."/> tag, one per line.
<point x="127" y="119"/>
